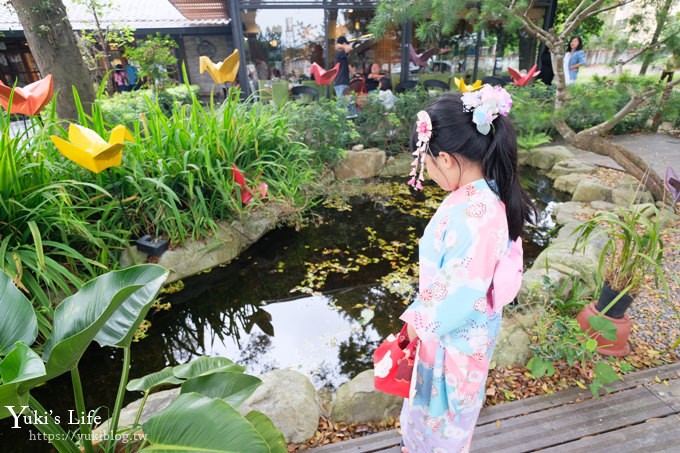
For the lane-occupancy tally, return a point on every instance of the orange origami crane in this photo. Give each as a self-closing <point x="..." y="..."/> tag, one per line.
<point x="520" y="79"/>
<point x="463" y="88"/>
<point x="246" y="193"/>
<point x="321" y="76"/>
<point x="89" y="150"/>
<point x="30" y="99"/>
<point x="224" y="71"/>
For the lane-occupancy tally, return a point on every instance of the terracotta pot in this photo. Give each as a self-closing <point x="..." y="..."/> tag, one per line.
<point x="619" y="347"/>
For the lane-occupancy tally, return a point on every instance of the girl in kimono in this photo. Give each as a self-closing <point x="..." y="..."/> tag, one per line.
<point x="470" y="259"/>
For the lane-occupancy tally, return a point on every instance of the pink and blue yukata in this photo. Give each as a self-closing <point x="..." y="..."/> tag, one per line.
<point x="469" y="269"/>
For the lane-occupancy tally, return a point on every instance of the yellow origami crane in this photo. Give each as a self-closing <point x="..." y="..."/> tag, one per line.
<point x="224" y="71"/>
<point x="89" y="150"/>
<point x="463" y="88"/>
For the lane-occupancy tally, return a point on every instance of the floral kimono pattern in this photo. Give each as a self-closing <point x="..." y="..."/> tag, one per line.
<point x="469" y="269"/>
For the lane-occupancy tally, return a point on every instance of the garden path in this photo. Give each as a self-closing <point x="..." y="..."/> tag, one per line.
<point x="658" y="150"/>
<point x="641" y="413"/>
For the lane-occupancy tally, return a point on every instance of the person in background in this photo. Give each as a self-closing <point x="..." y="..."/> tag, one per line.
<point x="121" y="79"/>
<point x="574" y="59"/>
<point x="669" y="67"/>
<point x="374" y="78"/>
<point x="133" y="76"/>
<point x="470" y="263"/>
<point x="342" y="48"/>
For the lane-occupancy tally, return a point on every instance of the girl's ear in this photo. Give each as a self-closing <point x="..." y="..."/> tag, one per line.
<point x="445" y="159"/>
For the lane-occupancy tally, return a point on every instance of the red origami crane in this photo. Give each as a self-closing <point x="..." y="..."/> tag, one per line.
<point x="30" y="99"/>
<point x="246" y="193"/>
<point x="520" y="79"/>
<point x="421" y="59"/>
<point x="321" y="76"/>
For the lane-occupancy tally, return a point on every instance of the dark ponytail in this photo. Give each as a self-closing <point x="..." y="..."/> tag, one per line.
<point x="500" y="164"/>
<point x="454" y="132"/>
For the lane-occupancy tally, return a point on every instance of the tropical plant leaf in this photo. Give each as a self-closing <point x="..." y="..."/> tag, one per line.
<point x="18" y="321"/>
<point x="206" y="365"/>
<point x="269" y="432"/>
<point x="232" y="387"/>
<point x="196" y="423"/>
<point x="20" y="365"/>
<point x="78" y="319"/>
<point x="150" y="381"/>
<point x="120" y="328"/>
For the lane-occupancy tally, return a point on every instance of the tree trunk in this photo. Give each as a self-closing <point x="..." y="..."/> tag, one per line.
<point x="661" y="18"/>
<point x="53" y="45"/>
<point x="633" y="164"/>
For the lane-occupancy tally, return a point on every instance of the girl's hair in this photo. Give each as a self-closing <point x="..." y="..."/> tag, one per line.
<point x="580" y="43"/>
<point x="453" y="132"/>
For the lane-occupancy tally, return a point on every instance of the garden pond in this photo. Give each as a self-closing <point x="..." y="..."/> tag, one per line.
<point x="317" y="300"/>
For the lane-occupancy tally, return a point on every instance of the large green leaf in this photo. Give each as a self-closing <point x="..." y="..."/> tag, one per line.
<point x="120" y="329"/>
<point x="205" y="365"/>
<point x="20" y="365"/>
<point x="18" y="321"/>
<point x="78" y="319"/>
<point x="146" y="383"/>
<point x="269" y="432"/>
<point x="234" y="388"/>
<point x="196" y="423"/>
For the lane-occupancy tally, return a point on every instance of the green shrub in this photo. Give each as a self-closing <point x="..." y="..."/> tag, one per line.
<point x="532" y="108"/>
<point x="671" y="110"/>
<point x="378" y="127"/>
<point x="595" y="102"/>
<point x="323" y="126"/>
<point x="127" y="107"/>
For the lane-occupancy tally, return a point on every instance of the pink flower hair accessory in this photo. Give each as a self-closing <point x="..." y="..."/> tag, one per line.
<point x="424" y="130"/>
<point x="486" y="104"/>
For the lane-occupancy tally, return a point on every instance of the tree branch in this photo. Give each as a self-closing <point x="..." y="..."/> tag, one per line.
<point x="672" y="35"/>
<point x="576" y="14"/>
<point x="531" y="27"/>
<point x="635" y="101"/>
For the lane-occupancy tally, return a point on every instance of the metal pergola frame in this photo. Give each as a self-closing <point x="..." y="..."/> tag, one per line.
<point x="234" y="7"/>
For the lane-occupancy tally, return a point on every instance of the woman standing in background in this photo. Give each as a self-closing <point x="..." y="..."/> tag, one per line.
<point x="574" y="59"/>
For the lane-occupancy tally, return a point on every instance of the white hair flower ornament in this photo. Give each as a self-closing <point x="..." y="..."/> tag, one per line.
<point x="486" y="104"/>
<point x="424" y="130"/>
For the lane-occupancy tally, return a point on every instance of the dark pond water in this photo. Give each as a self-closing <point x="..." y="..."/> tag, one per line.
<point x="317" y="300"/>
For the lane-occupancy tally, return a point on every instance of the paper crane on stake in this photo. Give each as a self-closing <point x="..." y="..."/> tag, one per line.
<point x="224" y="71"/>
<point x="246" y="193"/>
<point x="87" y="149"/>
<point x="520" y="79"/>
<point x="421" y="59"/>
<point x="322" y="76"/>
<point x="29" y="100"/>
<point x="464" y="88"/>
<point x="673" y="184"/>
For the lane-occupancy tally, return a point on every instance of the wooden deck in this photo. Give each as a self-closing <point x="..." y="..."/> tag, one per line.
<point x="641" y="414"/>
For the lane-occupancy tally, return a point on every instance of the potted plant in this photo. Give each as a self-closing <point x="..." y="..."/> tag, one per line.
<point x="632" y="253"/>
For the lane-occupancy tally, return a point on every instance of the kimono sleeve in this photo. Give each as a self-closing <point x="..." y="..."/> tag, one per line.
<point x="456" y="298"/>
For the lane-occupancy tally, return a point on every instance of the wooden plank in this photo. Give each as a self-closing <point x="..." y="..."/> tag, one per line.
<point x="370" y="443"/>
<point x="669" y="394"/>
<point x="538" y="403"/>
<point x="570" y="422"/>
<point x="655" y="435"/>
<point x="549" y="405"/>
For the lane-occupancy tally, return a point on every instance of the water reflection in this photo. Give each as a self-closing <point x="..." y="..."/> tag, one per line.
<point x="246" y="311"/>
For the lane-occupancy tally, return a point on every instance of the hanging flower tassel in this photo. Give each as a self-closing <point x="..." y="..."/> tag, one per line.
<point x="424" y="130"/>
